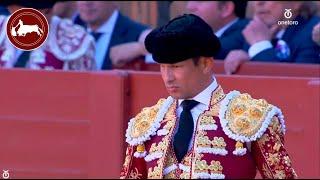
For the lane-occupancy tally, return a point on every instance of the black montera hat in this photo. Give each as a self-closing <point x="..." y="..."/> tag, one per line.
<point x="36" y="4"/>
<point x="183" y="37"/>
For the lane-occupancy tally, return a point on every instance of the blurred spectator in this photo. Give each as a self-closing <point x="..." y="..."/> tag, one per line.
<point x="318" y="8"/>
<point x="163" y="12"/>
<point x="119" y="40"/>
<point x="308" y="8"/>
<point x="68" y="46"/>
<point x="227" y="20"/>
<point x="249" y="10"/>
<point x="65" y="9"/>
<point x="177" y="8"/>
<point x="316" y="34"/>
<point x="276" y="34"/>
<point x="4" y="11"/>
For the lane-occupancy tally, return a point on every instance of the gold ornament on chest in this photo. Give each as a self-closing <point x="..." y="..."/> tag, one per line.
<point x="215" y="146"/>
<point x="246" y="114"/>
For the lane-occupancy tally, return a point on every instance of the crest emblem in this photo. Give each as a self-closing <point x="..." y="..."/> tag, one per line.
<point x="27" y="29"/>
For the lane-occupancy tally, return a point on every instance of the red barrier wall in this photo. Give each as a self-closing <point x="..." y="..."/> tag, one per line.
<point x="298" y="98"/>
<point x="56" y="124"/>
<point x="61" y="124"/>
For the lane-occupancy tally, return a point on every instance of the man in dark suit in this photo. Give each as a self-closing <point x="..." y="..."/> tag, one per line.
<point x="4" y="11"/>
<point x="277" y="33"/>
<point x="69" y="46"/>
<point x="119" y="39"/>
<point x="227" y="20"/>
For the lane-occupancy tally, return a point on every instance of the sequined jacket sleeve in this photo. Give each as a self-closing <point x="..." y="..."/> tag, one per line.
<point x="270" y="155"/>
<point x="133" y="167"/>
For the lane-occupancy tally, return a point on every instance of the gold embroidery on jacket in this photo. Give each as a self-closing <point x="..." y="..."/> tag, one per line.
<point x="278" y="163"/>
<point x="246" y="115"/>
<point x="163" y="145"/>
<point x="134" y="174"/>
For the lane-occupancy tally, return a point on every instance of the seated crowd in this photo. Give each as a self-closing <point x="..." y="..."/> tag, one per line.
<point x="113" y="40"/>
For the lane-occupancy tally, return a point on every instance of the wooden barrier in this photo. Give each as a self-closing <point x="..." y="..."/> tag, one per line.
<point x="257" y="68"/>
<point x="61" y="124"/>
<point x="298" y="99"/>
<point x="56" y="124"/>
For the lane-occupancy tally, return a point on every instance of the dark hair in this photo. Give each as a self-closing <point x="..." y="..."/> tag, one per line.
<point x="196" y="60"/>
<point x="240" y="7"/>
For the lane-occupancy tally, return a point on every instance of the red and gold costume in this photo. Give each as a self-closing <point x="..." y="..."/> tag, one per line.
<point x="68" y="47"/>
<point x="234" y="136"/>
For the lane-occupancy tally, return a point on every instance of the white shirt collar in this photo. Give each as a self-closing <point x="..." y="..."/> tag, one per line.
<point x="225" y="27"/>
<point x="205" y="95"/>
<point x="108" y="26"/>
<point x="280" y="33"/>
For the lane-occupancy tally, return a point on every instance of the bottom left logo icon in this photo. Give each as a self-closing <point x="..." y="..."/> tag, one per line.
<point x="5" y="174"/>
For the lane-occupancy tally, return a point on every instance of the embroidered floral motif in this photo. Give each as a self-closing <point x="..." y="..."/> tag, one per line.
<point x="203" y="170"/>
<point x="215" y="167"/>
<point x="126" y="163"/>
<point x="159" y="150"/>
<point x="218" y="95"/>
<point x="246" y="119"/>
<point x="134" y="174"/>
<point x="277" y="162"/>
<point x="185" y="175"/>
<point x="287" y="160"/>
<point x="167" y="127"/>
<point x="216" y="146"/>
<point x="273" y="159"/>
<point x="154" y="173"/>
<point x="147" y="122"/>
<point x="207" y="123"/>
<point x="171" y="175"/>
<point x="205" y="145"/>
<point x="266" y="172"/>
<point x="170" y="166"/>
<point x="280" y="174"/>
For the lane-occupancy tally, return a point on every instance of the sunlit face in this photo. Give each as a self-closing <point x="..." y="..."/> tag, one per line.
<point x="209" y="11"/>
<point x="64" y="9"/>
<point x="184" y="79"/>
<point x="270" y="12"/>
<point x="94" y="12"/>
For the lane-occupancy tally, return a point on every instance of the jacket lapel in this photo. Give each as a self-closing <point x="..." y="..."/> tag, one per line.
<point x="117" y="37"/>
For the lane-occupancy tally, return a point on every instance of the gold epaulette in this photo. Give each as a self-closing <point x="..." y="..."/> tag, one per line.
<point x="146" y="123"/>
<point x="244" y="118"/>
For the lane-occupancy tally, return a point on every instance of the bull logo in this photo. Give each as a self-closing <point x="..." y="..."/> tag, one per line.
<point x="27" y="29"/>
<point x="24" y="29"/>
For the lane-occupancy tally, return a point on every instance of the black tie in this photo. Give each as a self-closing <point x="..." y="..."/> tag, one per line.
<point x="185" y="130"/>
<point x="274" y="41"/>
<point x="96" y="35"/>
<point x="23" y="59"/>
